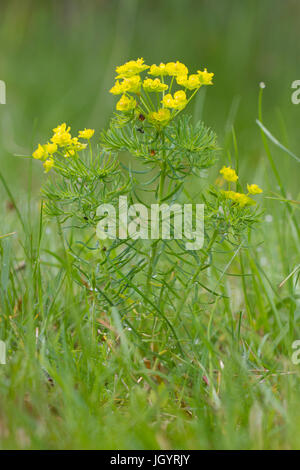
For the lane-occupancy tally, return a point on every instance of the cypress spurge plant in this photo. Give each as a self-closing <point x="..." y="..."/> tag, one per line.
<point x="152" y="153"/>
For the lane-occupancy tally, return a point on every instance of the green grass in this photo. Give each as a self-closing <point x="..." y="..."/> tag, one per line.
<point x="234" y="385"/>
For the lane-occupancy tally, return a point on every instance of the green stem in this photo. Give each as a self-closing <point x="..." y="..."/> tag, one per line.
<point x="190" y="98"/>
<point x="171" y="84"/>
<point x="91" y="153"/>
<point x="159" y="199"/>
<point x="192" y="281"/>
<point x="149" y="100"/>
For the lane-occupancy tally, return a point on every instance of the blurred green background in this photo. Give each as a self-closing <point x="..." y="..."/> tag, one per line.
<point x="58" y="59"/>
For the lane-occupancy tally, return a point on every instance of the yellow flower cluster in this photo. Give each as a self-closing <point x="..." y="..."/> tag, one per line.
<point x="62" y="135"/>
<point x="130" y="85"/>
<point x="151" y="85"/>
<point x="171" y="68"/>
<point x="126" y="103"/>
<point x="61" y="143"/>
<point x="131" y="68"/>
<point x="195" y="80"/>
<point x="254" y="189"/>
<point x="241" y="199"/>
<point x="158" y="70"/>
<point x="229" y="174"/>
<point x="179" y="100"/>
<point x="128" y="81"/>
<point x="162" y="116"/>
<point x="86" y="134"/>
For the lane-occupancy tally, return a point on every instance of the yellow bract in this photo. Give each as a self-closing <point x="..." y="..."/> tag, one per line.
<point x="62" y="139"/>
<point x="229" y="174"/>
<point x="158" y="70"/>
<point x="156" y="85"/>
<point x="179" y="100"/>
<point x="133" y="67"/>
<point x="254" y="189"/>
<point x="126" y="103"/>
<point x="205" y="77"/>
<point x="171" y="68"/>
<point x="48" y="164"/>
<point x="50" y="148"/>
<point x="39" y="152"/>
<point x="241" y="199"/>
<point x="160" y="117"/>
<point x="176" y="68"/>
<point x="132" y="84"/>
<point x="62" y="135"/>
<point x="61" y="128"/>
<point x="191" y="83"/>
<point x="117" y="89"/>
<point x="86" y="134"/>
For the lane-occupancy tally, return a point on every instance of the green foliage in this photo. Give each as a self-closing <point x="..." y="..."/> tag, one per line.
<point x="79" y="188"/>
<point x="157" y="279"/>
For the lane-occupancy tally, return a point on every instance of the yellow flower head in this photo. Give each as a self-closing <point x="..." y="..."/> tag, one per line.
<point x="50" y="148"/>
<point x="132" y="84"/>
<point x="191" y="83"/>
<point x="205" y="77"/>
<point x="156" y="85"/>
<point x="254" y="189"/>
<point x="241" y="199"/>
<point x="61" y="128"/>
<point x="48" y="164"/>
<point x="168" y="101"/>
<point x="158" y="70"/>
<point x="126" y="104"/>
<point x="62" y="139"/>
<point x="39" y="153"/>
<point x="133" y="67"/>
<point x="179" y="100"/>
<point x="117" y="89"/>
<point x="62" y="135"/>
<point x="160" y="117"/>
<point x="176" y="68"/>
<point x="86" y="134"/>
<point x="229" y="174"/>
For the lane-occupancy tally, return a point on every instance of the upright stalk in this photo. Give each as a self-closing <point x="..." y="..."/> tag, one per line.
<point x="159" y="199"/>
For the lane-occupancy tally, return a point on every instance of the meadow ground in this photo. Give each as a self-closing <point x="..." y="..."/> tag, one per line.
<point x="77" y="379"/>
